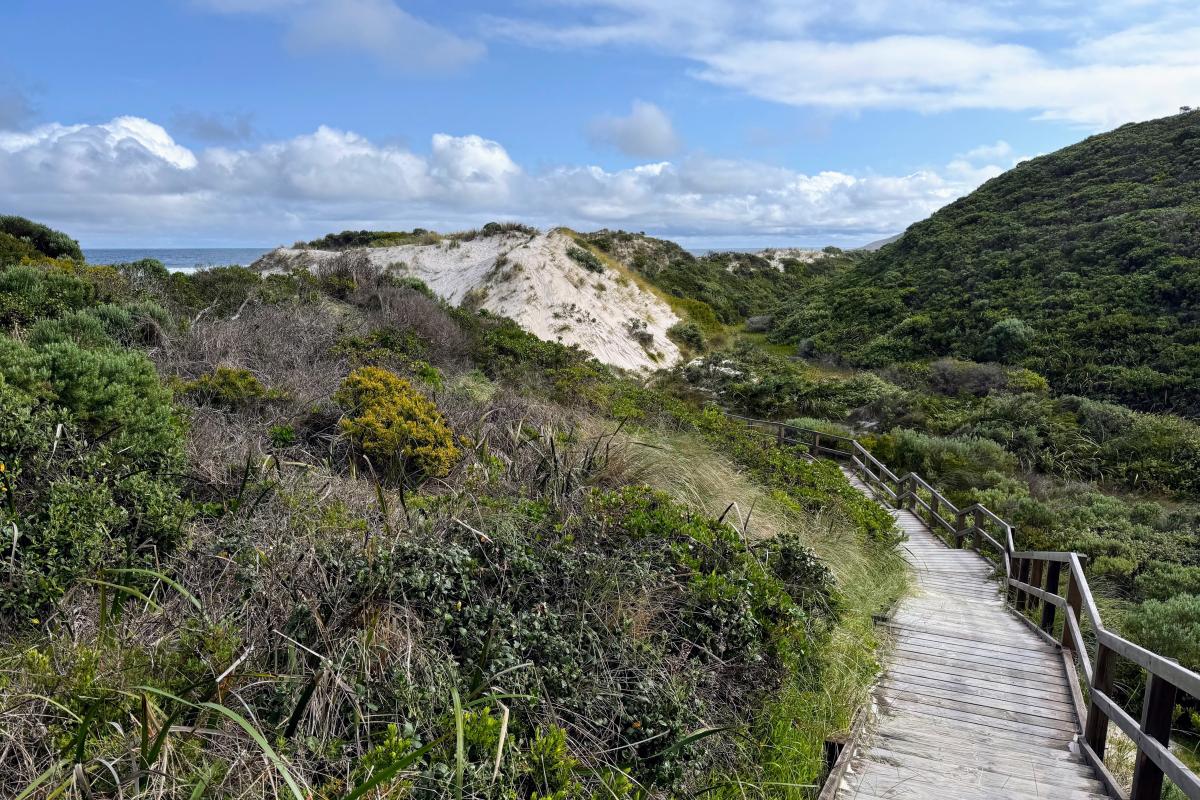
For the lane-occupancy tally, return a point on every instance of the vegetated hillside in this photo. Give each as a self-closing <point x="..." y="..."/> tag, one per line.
<point x="323" y="535"/>
<point x="1083" y="265"/>
<point x="734" y="285"/>
<point x="551" y="284"/>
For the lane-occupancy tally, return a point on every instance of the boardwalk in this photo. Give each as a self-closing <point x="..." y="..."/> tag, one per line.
<point x="973" y="705"/>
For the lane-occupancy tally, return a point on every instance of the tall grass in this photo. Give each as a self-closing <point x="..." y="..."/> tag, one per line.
<point x="870" y="578"/>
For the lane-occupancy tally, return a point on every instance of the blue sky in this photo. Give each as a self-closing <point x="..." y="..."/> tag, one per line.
<point x="716" y="122"/>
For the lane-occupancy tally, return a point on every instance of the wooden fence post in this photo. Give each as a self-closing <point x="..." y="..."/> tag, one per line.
<point x="814" y="449"/>
<point x="1075" y="603"/>
<point x="1015" y="567"/>
<point x="1023" y="577"/>
<point x="1048" y="609"/>
<point x="1096" y="730"/>
<point x="1158" y="709"/>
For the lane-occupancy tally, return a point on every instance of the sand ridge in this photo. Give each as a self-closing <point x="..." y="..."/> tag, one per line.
<point x="531" y="279"/>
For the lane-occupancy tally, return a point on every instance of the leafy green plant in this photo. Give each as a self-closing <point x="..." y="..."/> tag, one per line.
<point x="586" y="259"/>
<point x="394" y="425"/>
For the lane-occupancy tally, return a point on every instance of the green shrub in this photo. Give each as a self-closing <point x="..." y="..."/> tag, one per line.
<point x="47" y="241"/>
<point x="229" y="388"/>
<point x="688" y="334"/>
<point x="585" y="259"/>
<point x="955" y="464"/>
<point x="1170" y="628"/>
<point x="394" y="425"/>
<point x="29" y="293"/>
<point x="90" y="448"/>
<point x="1007" y="340"/>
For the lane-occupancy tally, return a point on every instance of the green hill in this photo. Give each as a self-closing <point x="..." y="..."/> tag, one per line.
<point x="1083" y="265"/>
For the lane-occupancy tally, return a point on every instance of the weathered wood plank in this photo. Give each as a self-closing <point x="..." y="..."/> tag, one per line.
<point x="973" y="704"/>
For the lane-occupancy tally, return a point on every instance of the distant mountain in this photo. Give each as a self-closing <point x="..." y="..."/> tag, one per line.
<point x="1083" y="265"/>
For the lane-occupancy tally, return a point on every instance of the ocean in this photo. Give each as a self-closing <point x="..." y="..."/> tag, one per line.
<point x="178" y="258"/>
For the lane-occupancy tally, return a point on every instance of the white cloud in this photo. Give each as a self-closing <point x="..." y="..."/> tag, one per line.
<point x="1095" y="65"/>
<point x="646" y="132"/>
<point x="128" y="181"/>
<point x="376" y="28"/>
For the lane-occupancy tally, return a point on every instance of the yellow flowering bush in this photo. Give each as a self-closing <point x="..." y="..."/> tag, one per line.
<point x="394" y="425"/>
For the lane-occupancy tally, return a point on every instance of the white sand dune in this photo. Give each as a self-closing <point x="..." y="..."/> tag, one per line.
<point x="531" y="279"/>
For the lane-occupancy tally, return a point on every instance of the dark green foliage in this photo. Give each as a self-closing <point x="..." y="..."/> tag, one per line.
<point x="29" y="293"/>
<point x="46" y="241"/>
<point x="495" y="229"/>
<point x="585" y="259"/>
<point x="1096" y="248"/>
<point x="688" y="334"/>
<point x="89" y="448"/>
<point x="1170" y="628"/>
<point x="734" y="285"/>
<point x="350" y="239"/>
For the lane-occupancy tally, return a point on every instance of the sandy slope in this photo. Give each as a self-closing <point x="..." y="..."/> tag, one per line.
<point x="540" y="287"/>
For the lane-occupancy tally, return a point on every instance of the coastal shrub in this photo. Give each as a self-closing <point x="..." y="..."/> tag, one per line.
<point x="688" y="334"/>
<point x="1169" y="627"/>
<point x="396" y="427"/>
<point x="636" y="329"/>
<point x="1008" y="339"/>
<point x="954" y="463"/>
<point x="229" y="388"/>
<point x="29" y="293"/>
<point x="89" y="450"/>
<point x="585" y="259"/>
<point x="47" y="241"/>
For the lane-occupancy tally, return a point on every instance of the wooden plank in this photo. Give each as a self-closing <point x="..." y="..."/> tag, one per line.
<point x="1057" y="759"/>
<point x="995" y="773"/>
<point x="943" y="734"/>
<point x="1025" y="721"/>
<point x="975" y="661"/>
<point x="975" y="703"/>
<point x="1011" y="652"/>
<point x="1035" y="694"/>
<point x="1004" y="644"/>
<point x="899" y="784"/>
<point x="973" y="680"/>
<point x="1062" y="712"/>
<point x="996" y="724"/>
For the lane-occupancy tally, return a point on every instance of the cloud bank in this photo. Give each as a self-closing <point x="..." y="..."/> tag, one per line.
<point x="128" y="181"/>
<point x="1091" y="64"/>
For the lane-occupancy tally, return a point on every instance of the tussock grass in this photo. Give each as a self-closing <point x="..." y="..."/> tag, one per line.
<point x="870" y="578"/>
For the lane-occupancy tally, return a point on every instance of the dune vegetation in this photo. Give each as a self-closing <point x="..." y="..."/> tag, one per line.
<point x="321" y="535"/>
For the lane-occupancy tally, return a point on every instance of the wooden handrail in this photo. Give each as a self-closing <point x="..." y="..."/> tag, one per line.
<point x="1032" y="578"/>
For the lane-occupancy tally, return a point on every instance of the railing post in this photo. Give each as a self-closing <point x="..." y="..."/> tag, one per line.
<point x="1048" y="609"/>
<point x="1096" y="730"/>
<point x="960" y="524"/>
<point x="1014" y="594"/>
<point x="1158" y="709"/>
<point x="1023" y="577"/>
<point x="814" y="449"/>
<point x="779" y="435"/>
<point x="1035" y="579"/>
<point x="1075" y="603"/>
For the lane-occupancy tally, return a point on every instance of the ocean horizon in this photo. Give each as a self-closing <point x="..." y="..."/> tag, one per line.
<point x="178" y="258"/>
